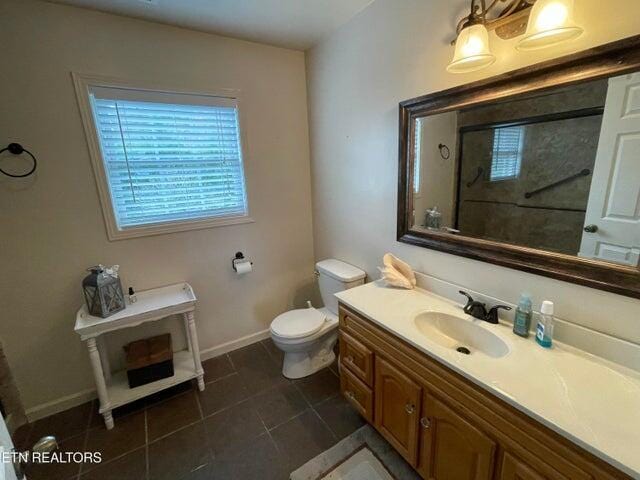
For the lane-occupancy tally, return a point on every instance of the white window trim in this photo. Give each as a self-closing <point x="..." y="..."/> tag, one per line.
<point x="82" y="83"/>
<point x="417" y="153"/>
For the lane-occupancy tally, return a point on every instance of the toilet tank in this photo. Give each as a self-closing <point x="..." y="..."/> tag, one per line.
<point x="335" y="276"/>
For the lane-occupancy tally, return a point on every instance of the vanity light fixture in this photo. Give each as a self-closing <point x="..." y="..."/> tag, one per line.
<point x="542" y="22"/>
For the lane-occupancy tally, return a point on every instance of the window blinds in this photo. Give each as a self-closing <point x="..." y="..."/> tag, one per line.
<point x="507" y="152"/>
<point x="169" y="157"/>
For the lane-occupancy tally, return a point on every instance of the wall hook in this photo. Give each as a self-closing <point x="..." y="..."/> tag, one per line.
<point x="17" y="149"/>
<point x="445" y="153"/>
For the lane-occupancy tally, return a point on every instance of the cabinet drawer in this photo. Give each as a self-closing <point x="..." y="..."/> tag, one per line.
<point x="357" y="393"/>
<point x="357" y="358"/>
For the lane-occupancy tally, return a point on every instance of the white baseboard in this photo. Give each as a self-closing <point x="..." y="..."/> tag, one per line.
<point x="60" y="404"/>
<point x="75" y="399"/>
<point x="218" y="350"/>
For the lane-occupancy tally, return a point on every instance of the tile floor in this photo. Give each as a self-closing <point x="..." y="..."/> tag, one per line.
<point x="249" y="423"/>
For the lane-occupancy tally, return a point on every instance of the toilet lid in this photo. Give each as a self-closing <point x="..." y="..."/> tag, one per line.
<point x="298" y="323"/>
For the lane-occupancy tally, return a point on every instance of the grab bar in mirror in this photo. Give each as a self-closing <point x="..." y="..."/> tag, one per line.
<point x="582" y="173"/>
<point x="477" y="177"/>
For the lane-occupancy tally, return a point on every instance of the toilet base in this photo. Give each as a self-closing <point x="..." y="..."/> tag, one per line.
<point x="304" y="359"/>
<point x="300" y="365"/>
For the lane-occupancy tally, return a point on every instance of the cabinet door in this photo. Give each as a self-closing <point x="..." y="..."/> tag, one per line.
<point x="451" y="447"/>
<point x="515" y="469"/>
<point x="397" y="410"/>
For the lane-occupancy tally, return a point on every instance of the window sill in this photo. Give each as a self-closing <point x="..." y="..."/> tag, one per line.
<point x="115" y="234"/>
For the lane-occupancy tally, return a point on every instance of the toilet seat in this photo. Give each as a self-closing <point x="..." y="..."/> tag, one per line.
<point x="298" y="323"/>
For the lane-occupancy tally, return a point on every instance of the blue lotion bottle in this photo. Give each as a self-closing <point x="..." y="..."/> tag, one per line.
<point x="544" y="330"/>
<point x="522" y="319"/>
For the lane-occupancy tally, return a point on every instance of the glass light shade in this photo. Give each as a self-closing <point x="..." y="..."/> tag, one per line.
<point x="550" y="22"/>
<point x="472" y="50"/>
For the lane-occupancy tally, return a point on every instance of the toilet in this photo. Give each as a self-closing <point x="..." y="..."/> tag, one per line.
<point x="307" y="335"/>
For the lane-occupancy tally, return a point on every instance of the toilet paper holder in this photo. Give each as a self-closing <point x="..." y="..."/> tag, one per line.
<point x="238" y="258"/>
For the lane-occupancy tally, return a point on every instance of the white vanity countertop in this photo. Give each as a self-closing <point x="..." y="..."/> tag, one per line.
<point x="590" y="401"/>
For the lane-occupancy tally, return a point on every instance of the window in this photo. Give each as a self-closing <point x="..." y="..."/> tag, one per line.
<point x="507" y="153"/>
<point x="167" y="161"/>
<point x="417" y="139"/>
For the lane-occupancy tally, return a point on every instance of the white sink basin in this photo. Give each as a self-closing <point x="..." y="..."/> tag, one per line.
<point x="460" y="334"/>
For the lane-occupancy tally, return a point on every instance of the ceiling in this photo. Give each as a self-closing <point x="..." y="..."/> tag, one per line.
<point x="296" y="24"/>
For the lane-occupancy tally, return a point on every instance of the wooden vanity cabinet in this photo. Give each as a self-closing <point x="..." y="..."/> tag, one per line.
<point x="446" y="427"/>
<point x="515" y="469"/>
<point x="397" y="398"/>
<point x="451" y="446"/>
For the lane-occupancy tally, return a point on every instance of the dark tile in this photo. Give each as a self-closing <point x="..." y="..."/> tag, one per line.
<point x="257" y="459"/>
<point x="249" y="355"/>
<point x="302" y="438"/>
<point x="217" y="367"/>
<point x="172" y="414"/>
<point x="275" y="352"/>
<point x="127" y="435"/>
<point x="233" y="426"/>
<point x="62" y="425"/>
<point x="341" y="417"/>
<point x="279" y="404"/>
<point x="20" y="437"/>
<point x="57" y="471"/>
<point x="179" y="454"/>
<point x="97" y="420"/>
<point x="256" y="367"/>
<point x="319" y="386"/>
<point x="203" y="472"/>
<point x="168" y="393"/>
<point x="222" y="393"/>
<point x="132" y="466"/>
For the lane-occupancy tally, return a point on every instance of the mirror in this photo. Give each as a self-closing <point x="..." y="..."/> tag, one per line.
<point x="552" y="172"/>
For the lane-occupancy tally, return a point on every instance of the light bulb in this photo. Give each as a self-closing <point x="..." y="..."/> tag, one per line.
<point x="550" y="22"/>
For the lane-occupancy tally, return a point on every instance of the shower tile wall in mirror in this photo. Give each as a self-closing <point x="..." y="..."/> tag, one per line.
<point x="557" y="171"/>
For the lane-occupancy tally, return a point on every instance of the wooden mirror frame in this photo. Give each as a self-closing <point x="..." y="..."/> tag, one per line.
<point x="608" y="60"/>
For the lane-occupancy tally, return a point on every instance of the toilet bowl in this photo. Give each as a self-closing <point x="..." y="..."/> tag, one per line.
<point x="307" y="336"/>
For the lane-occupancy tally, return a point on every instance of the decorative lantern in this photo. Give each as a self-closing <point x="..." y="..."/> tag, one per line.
<point x="103" y="291"/>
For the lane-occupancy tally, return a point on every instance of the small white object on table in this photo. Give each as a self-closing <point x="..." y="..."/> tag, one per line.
<point x="156" y="304"/>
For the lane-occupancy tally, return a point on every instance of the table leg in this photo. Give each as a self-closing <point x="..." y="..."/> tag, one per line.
<point x="101" y="385"/>
<point x="195" y="349"/>
<point x="104" y="357"/>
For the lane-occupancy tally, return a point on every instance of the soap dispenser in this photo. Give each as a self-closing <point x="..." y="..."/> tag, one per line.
<point x="544" y="331"/>
<point x="522" y="319"/>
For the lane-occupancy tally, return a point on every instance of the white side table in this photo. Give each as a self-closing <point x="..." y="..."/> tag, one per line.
<point x="113" y="387"/>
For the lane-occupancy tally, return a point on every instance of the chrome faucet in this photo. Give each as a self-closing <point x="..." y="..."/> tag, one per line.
<point x="479" y="310"/>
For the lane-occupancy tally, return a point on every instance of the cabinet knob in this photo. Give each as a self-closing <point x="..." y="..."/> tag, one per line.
<point x="349" y="359"/>
<point x="409" y="408"/>
<point x="591" y="228"/>
<point x="425" y="422"/>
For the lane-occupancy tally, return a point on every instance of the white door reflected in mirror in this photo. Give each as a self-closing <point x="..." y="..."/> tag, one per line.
<point x="614" y="199"/>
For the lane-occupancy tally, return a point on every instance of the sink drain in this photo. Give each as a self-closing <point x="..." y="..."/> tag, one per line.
<point x="464" y="350"/>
